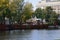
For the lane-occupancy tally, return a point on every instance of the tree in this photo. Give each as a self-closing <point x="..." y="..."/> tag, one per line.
<point x="38" y="12"/>
<point x="51" y="15"/>
<point x="48" y="14"/>
<point x="27" y="13"/>
<point x="16" y="7"/>
<point x="11" y="9"/>
<point x="3" y="6"/>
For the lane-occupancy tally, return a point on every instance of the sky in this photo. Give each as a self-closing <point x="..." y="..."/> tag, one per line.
<point x="34" y="2"/>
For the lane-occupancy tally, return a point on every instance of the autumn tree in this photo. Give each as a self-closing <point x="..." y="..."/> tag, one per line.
<point x="11" y="9"/>
<point x="16" y="7"/>
<point x="3" y="6"/>
<point x="28" y="10"/>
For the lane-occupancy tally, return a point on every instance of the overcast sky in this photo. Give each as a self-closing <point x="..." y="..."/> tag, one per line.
<point x="34" y="2"/>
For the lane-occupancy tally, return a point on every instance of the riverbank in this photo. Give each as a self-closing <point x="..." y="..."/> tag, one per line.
<point x="4" y="27"/>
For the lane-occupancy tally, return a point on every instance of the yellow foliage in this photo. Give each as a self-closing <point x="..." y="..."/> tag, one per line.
<point x="0" y="5"/>
<point x="3" y="0"/>
<point x="7" y="5"/>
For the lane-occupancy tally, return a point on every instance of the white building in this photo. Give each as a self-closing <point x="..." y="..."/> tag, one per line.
<point x="55" y="4"/>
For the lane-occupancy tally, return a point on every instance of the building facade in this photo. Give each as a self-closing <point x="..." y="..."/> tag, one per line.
<point x="55" y="4"/>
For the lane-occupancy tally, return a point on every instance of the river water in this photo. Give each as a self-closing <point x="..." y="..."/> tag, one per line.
<point x="30" y="35"/>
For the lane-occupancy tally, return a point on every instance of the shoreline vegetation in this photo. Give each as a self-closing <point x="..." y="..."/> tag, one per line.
<point x="4" y="27"/>
<point x="16" y="12"/>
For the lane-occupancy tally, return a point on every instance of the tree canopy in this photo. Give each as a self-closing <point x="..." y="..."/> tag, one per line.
<point x="28" y="10"/>
<point x="19" y="11"/>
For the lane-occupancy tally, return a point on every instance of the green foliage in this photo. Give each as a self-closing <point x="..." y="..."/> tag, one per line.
<point x="27" y="11"/>
<point x="3" y="7"/>
<point x="11" y="9"/>
<point x="47" y="13"/>
<point x="16" y="10"/>
<point x="51" y="15"/>
<point x="16" y="7"/>
<point x="40" y="13"/>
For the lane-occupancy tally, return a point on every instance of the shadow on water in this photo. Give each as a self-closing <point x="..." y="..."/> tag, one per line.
<point x="30" y="35"/>
<point x="14" y="34"/>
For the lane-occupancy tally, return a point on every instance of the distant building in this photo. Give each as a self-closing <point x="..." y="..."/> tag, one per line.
<point x="55" y="4"/>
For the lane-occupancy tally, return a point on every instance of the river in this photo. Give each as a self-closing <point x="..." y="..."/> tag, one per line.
<point x="30" y="35"/>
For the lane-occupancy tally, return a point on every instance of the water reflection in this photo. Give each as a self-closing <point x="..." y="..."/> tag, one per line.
<point x="30" y="35"/>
